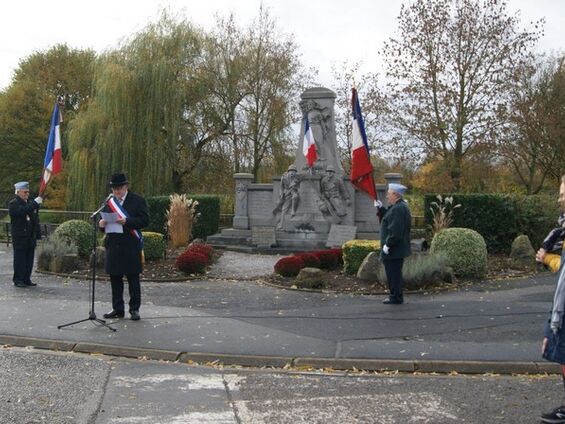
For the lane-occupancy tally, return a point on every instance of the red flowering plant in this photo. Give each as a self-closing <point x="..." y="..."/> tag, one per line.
<point x="289" y="266"/>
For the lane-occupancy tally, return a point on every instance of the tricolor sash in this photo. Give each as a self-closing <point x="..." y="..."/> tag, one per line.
<point x="119" y="209"/>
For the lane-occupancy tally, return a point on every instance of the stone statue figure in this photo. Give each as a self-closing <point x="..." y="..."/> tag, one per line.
<point x="289" y="196"/>
<point x="334" y="196"/>
<point x="318" y="119"/>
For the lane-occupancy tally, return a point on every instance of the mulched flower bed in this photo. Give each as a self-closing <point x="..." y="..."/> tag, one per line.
<point x="337" y="281"/>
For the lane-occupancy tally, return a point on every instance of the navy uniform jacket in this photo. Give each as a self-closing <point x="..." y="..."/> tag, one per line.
<point x="123" y="251"/>
<point x="25" y="223"/>
<point x="395" y="230"/>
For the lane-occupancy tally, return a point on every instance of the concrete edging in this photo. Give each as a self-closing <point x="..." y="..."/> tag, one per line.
<point x="345" y="364"/>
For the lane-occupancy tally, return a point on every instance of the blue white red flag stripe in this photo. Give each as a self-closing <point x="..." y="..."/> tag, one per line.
<point x="119" y="209"/>
<point x="361" y="167"/>
<point x="52" y="164"/>
<point x="309" y="145"/>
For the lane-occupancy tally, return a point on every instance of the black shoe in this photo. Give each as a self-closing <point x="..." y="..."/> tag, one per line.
<point x="554" y="417"/>
<point x="114" y="314"/>
<point x="389" y="301"/>
<point x="135" y="316"/>
<point x="20" y="284"/>
<point x="30" y="284"/>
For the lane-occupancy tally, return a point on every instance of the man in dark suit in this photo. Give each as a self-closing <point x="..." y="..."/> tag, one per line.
<point x="25" y="231"/>
<point x="395" y="240"/>
<point x="124" y="250"/>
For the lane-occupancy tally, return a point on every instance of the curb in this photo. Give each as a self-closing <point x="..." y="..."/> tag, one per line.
<point x="258" y="361"/>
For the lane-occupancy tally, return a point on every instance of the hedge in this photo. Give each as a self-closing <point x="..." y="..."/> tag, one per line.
<point x="354" y="251"/>
<point x="208" y="209"/>
<point x="500" y="218"/>
<point x="154" y="245"/>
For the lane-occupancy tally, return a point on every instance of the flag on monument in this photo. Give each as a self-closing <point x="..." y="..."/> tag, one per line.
<point x="309" y="145"/>
<point x="52" y="164"/>
<point x="361" y="167"/>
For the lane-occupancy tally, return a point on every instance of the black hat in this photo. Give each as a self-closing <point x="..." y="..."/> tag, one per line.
<point x="118" y="180"/>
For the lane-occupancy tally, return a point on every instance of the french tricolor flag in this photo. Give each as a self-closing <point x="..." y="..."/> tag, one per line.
<point x="309" y="145"/>
<point x="361" y="167"/>
<point x="52" y="164"/>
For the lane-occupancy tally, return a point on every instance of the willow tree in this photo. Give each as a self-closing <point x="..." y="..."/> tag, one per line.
<point x="135" y="118"/>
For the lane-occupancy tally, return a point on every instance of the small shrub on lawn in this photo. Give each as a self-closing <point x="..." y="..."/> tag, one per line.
<point x="465" y="249"/>
<point x="310" y="260"/>
<point x="76" y="232"/>
<point x="289" y="266"/>
<point x="354" y="251"/>
<point x="154" y="245"/>
<point x="192" y="262"/>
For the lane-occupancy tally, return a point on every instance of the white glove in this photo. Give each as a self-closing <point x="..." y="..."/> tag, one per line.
<point x="386" y="249"/>
<point x="554" y="327"/>
<point x="38" y="200"/>
<point x="378" y="204"/>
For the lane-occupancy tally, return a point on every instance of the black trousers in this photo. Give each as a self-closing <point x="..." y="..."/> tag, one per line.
<point x="23" y="264"/>
<point x="118" y="292"/>
<point x="393" y="270"/>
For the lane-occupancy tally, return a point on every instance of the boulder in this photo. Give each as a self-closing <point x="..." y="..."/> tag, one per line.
<point x="369" y="268"/>
<point x="310" y="278"/>
<point x="522" y="254"/>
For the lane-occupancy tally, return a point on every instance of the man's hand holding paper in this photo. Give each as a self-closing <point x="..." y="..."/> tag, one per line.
<point x="113" y="222"/>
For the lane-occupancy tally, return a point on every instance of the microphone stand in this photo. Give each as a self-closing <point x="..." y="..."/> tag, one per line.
<point x="91" y="314"/>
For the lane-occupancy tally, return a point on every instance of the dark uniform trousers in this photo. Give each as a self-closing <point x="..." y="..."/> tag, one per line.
<point x="393" y="269"/>
<point x="23" y="264"/>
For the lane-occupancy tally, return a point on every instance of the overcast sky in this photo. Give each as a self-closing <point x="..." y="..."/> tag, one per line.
<point x="327" y="31"/>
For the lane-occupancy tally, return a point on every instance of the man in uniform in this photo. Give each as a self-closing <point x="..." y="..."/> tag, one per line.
<point x="24" y="219"/>
<point x="395" y="240"/>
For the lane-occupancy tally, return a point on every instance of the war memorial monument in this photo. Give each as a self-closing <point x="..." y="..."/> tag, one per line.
<point x="305" y="208"/>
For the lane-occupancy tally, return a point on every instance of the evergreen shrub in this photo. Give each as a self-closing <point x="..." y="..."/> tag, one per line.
<point x="354" y="251"/>
<point x="154" y="245"/>
<point x="289" y="266"/>
<point x="76" y="232"/>
<point x="493" y="216"/>
<point x="423" y="271"/>
<point x="465" y="250"/>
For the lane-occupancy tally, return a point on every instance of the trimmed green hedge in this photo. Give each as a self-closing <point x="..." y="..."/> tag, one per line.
<point x="499" y="218"/>
<point x="354" y="252"/>
<point x="154" y="245"/>
<point x="208" y="209"/>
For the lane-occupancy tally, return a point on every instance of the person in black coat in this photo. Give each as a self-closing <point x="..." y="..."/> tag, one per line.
<point x="24" y="219"/>
<point x="124" y="250"/>
<point x="395" y="240"/>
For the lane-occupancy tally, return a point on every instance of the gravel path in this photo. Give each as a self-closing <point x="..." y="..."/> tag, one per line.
<point x="243" y="265"/>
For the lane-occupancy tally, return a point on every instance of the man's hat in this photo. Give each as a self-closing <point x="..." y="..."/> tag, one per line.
<point x="330" y="168"/>
<point x="292" y="168"/>
<point x="118" y="180"/>
<point x="398" y="188"/>
<point x="22" y="185"/>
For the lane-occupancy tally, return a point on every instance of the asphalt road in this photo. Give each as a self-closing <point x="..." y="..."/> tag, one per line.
<point x="68" y="388"/>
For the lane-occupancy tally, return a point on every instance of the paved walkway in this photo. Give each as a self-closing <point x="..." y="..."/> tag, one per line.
<point x="243" y="322"/>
